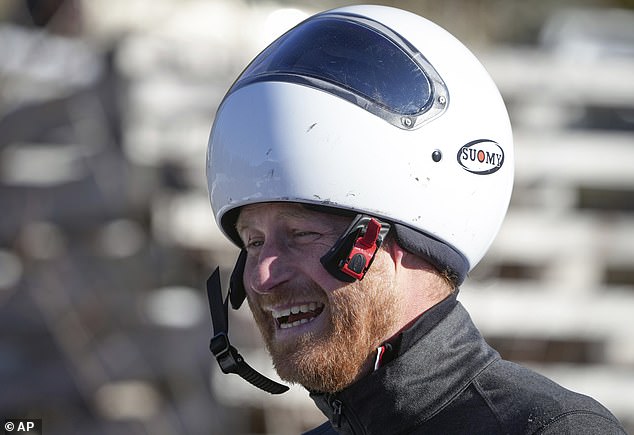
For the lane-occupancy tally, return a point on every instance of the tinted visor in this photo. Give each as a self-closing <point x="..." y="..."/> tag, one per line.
<point x="357" y="59"/>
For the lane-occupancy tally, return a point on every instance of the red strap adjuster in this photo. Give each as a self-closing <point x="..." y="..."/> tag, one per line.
<point x="361" y="255"/>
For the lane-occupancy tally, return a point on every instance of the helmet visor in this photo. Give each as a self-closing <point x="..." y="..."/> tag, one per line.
<point x="357" y="59"/>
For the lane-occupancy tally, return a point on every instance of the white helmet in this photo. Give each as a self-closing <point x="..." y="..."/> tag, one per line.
<point x="377" y="111"/>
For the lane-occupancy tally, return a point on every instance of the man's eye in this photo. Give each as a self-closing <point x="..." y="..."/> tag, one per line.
<point x="255" y="243"/>
<point x="306" y="235"/>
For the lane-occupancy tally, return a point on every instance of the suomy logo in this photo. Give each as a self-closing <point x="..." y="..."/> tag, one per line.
<point x="481" y="157"/>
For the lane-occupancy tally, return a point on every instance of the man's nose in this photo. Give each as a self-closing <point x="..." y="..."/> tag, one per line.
<point x="269" y="268"/>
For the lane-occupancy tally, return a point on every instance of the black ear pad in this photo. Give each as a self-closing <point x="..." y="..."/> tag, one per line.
<point x="439" y="254"/>
<point x="237" y="294"/>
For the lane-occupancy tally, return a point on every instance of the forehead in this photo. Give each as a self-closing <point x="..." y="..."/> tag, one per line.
<point x="277" y="209"/>
<point x="253" y="214"/>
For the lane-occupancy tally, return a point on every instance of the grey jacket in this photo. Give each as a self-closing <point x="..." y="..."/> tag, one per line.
<point x="443" y="378"/>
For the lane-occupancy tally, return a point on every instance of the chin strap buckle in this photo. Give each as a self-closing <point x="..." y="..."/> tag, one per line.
<point x="227" y="356"/>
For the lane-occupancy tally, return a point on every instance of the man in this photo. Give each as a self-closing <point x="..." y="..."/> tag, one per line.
<point x="364" y="163"/>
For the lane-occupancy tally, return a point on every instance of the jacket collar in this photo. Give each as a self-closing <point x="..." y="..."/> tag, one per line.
<point x="436" y="358"/>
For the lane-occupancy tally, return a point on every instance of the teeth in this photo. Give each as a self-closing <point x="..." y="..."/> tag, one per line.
<point x="296" y="309"/>
<point x="296" y="323"/>
<point x="281" y="313"/>
<point x="305" y="308"/>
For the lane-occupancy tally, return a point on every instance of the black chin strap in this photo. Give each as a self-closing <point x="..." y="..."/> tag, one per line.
<point x="228" y="358"/>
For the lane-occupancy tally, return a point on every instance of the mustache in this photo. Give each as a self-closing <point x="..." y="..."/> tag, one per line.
<point x="289" y="294"/>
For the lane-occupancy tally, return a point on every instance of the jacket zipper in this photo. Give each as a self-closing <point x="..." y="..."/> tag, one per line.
<point x="337" y="412"/>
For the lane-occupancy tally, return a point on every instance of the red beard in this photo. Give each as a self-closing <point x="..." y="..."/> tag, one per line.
<point x="334" y="352"/>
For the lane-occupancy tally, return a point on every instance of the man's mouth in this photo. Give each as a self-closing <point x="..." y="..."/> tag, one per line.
<point x="297" y="314"/>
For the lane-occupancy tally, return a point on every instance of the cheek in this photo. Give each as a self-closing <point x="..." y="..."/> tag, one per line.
<point x="324" y="279"/>
<point x="381" y="275"/>
<point x="247" y="273"/>
<point x="381" y="272"/>
<point x="305" y="263"/>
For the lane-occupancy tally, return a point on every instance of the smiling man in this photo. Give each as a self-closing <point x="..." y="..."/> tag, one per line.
<point x="321" y="332"/>
<point x="318" y="331"/>
<point x="363" y="163"/>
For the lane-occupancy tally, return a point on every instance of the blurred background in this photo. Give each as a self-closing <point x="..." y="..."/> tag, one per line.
<point x="106" y="234"/>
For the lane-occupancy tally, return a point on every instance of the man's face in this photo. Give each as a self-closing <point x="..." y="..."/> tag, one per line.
<point x="319" y="331"/>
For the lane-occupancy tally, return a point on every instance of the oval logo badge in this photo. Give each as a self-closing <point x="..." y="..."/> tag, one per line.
<point x="481" y="157"/>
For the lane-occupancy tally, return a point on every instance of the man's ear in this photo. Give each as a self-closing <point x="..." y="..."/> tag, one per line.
<point x="403" y="258"/>
<point x="396" y="252"/>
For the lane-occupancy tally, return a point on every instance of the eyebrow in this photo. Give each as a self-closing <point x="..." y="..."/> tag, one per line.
<point x="240" y="226"/>
<point x="291" y="212"/>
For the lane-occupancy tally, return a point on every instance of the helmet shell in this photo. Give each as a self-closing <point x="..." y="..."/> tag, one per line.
<point x="450" y="178"/>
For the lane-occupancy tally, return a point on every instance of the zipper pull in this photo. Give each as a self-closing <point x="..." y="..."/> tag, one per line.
<point x="337" y="408"/>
